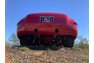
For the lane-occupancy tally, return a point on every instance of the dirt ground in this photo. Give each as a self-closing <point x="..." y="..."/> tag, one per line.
<point x="63" y="55"/>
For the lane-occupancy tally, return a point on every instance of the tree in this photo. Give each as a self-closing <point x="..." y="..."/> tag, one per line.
<point x="83" y="43"/>
<point x="14" y="39"/>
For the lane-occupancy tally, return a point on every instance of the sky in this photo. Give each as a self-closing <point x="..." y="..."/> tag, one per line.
<point x="15" y="10"/>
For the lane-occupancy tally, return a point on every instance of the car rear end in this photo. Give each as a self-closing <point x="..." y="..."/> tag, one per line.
<point x="47" y="27"/>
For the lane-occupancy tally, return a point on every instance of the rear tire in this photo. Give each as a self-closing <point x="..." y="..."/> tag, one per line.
<point x="23" y="40"/>
<point x="68" y="42"/>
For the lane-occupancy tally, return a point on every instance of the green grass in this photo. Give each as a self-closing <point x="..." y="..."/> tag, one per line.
<point x="24" y="49"/>
<point x="62" y="49"/>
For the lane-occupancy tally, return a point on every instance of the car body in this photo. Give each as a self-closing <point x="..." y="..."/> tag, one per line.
<point x="47" y="29"/>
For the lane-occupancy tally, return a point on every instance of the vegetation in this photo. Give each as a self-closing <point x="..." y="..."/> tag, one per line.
<point x="24" y="49"/>
<point x="84" y="58"/>
<point x="83" y="43"/>
<point x="14" y="40"/>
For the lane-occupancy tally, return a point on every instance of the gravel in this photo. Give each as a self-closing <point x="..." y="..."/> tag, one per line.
<point x="63" y="55"/>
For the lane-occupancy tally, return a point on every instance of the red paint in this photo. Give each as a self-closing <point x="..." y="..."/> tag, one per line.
<point x="62" y="22"/>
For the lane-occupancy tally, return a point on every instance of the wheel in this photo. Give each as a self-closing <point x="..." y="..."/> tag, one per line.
<point x="23" y="41"/>
<point x="68" y="42"/>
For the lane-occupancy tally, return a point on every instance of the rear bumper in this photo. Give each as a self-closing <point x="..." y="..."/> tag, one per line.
<point x="46" y="29"/>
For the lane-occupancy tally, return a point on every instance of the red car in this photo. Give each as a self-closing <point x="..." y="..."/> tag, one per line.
<point x="47" y="29"/>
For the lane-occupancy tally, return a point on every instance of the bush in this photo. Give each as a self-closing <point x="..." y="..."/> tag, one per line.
<point x="83" y="43"/>
<point x="14" y="40"/>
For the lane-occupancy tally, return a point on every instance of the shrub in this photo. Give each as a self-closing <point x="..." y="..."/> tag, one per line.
<point x="83" y="43"/>
<point x="14" y="40"/>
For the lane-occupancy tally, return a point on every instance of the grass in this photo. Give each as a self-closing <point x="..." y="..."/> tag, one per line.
<point x="24" y="49"/>
<point x="84" y="58"/>
<point x="62" y="49"/>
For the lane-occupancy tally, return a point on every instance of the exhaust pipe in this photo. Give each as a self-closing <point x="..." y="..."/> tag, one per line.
<point x="56" y="30"/>
<point x="35" y="30"/>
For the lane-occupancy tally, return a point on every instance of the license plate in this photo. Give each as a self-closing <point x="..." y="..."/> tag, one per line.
<point x="46" y="18"/>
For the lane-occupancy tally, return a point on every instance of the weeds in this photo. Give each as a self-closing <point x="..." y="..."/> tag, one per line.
<point x="84" y="58"/>
<point x="24" y="49"/>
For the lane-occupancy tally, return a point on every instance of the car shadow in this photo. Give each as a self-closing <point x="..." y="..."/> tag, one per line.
<point x="41" y="47"/>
